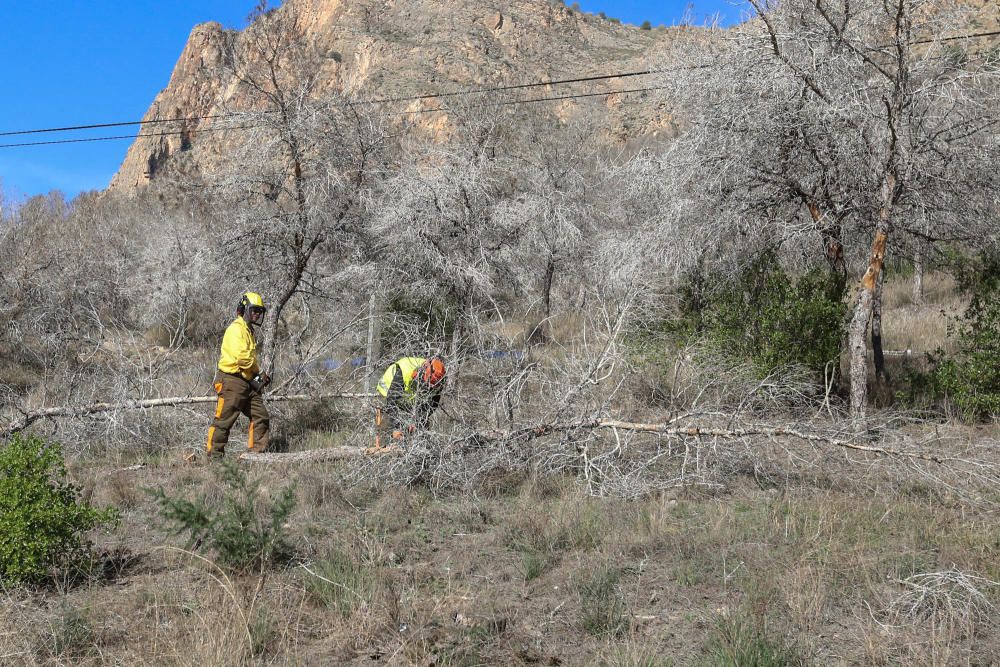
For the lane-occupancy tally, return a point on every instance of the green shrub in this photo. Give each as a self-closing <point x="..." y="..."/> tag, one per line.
<point x="43" y="525"/>
<point x="917" y="383"/>
<point x="971" y="377"/>
<point x="244" y="530"/>
<point x="646" y="25"/>
<point x="534" y="563"/>
<point x="773" y="320"/>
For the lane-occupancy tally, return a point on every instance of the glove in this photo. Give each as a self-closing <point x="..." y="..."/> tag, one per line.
<point x="259" y="381"/>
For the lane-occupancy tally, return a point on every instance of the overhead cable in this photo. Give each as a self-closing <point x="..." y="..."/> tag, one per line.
<point x="425" y="96"/>
<point x="387" y="100"/>
<point x="391" y="100"/>
<point x="143" y="135"/>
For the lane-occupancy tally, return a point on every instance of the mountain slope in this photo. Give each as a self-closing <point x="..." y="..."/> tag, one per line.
<point x="398" y="48"/>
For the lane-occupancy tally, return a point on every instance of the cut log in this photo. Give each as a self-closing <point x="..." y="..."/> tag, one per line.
<point x="28" y="418"/>
<point x="310" y="456"/>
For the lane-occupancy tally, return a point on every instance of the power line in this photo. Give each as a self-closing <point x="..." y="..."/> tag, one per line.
<point x="387" y="100"/>
<point x="531" y="100"/>
<point x="520" y="86"/>
<point x="977" y="35"/>
<point x="392" y="100"/>
<point x="95" y="126"/>
<point x="877" y="47"/>
<point x="143" y="135"/>
<point x="123" y="136"/>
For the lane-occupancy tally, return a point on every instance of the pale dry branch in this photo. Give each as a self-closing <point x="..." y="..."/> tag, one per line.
<point x="308" y="456"/>
<point x="30" y="417"/>
<point x="951" y="593"/>
<point x="665" y="429"/>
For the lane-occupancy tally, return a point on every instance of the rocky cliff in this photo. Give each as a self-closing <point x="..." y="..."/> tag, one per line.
<point x="384" y="48"/>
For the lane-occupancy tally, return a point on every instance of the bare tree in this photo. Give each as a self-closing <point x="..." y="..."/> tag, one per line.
<point x="559" y="182"/>
<point x="305" y="154"/>
<point x="444" y="227"/>
<point x="850" y="119"/>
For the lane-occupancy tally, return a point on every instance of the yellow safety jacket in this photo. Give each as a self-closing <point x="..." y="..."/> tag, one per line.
<point x="239" y="350"/>
<point x="407" y="366"/>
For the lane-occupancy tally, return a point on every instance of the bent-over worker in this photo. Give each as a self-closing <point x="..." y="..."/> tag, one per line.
<point x="412" y="389"/>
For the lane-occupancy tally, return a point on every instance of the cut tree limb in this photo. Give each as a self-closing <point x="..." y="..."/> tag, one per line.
<point x="769" y="432"/>
<point x="525" y="434"/>
<point x="664" y="429"/>
<point x="28" y="418"/>
<point x="308" y="456"/>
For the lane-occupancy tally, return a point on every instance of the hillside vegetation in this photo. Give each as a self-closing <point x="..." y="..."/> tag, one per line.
<point x="723" y="378"/>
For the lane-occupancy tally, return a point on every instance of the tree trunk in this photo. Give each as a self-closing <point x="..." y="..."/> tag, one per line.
<point x="832" y="245"/>
<point x="877" y="353"/>
<point x="269" y="331"/>
<point x="918" y="276"/>
<point x="858" y="328"/>
<point x="550" y="270"/>
<point x="371" y="353"/>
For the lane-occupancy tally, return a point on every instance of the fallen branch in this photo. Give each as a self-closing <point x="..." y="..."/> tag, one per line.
<point x="308" y="456"/>
<point x="28" y="418"/>
<point x="666" y="429"/>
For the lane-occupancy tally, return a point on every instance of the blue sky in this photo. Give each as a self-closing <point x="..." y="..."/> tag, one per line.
<point x="76" y="62"/>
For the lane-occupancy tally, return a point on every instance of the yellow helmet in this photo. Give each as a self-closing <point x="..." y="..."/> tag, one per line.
<point x="250" y="301"/>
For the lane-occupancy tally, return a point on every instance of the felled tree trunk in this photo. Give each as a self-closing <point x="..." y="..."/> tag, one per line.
<point x="310" y="456"/>
<point x="29" y="418"/>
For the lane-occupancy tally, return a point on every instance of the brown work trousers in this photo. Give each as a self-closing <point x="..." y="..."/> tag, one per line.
<point x="236" y="397"/>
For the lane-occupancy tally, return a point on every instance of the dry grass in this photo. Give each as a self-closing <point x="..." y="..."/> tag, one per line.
<point x="920" y="328"/>
<point x="804" y="553"/>
<point x="829" y="574"/>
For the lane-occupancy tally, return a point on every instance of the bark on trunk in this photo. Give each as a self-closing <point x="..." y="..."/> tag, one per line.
<point x="550" y="270"/>
<point x="877" y="353"/>
<point x="918" y="277"/>
<point x="857" y="343"/>
<point x="832" y="245"/>
<point x="858" y="329"/>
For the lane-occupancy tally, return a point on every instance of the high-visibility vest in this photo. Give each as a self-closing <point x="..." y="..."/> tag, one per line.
<point x="408" y="367"/>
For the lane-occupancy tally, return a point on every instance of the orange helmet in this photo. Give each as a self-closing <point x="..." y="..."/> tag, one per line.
<point x="431" y="372"/>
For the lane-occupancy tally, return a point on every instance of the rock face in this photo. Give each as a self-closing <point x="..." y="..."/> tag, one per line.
<point x="193" y="92"/>
<point x="391" y="48"/>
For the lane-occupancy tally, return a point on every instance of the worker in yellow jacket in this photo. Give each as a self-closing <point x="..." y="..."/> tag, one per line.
<point x="412" y="388"/>
<point x="240" y="381"/>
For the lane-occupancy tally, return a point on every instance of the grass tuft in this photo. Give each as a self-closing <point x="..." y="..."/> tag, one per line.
<point x="603" y="611"/>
